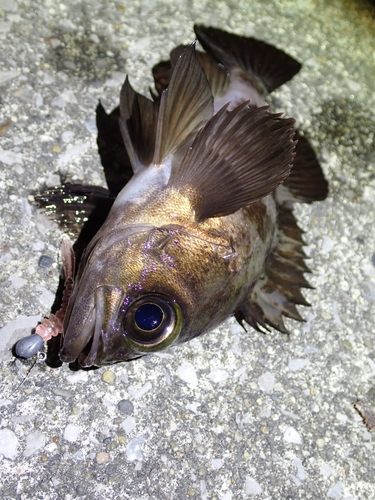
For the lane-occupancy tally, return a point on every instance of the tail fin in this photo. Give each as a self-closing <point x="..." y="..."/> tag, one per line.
<point x="270" y="65"/>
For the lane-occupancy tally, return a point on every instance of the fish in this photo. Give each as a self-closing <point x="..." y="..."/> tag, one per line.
<point x="202" y="227"/>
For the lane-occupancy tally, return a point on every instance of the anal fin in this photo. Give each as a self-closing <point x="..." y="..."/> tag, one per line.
<point x="276" y="294"/>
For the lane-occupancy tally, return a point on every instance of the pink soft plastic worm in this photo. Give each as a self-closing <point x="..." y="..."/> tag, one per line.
<point x="53" y="325"/>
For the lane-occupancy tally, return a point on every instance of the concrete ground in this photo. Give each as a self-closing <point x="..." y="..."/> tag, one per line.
<point x="234" y="414"/>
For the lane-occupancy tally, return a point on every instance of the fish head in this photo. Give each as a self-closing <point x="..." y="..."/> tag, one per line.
<point x="142" y="288"/>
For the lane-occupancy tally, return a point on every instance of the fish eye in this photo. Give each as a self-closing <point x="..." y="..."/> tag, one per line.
<point x="152" y="322"/>
<point x="148" y="317"/>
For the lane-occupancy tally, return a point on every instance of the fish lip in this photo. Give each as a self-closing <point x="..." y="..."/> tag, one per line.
<point x="101" y="335"/>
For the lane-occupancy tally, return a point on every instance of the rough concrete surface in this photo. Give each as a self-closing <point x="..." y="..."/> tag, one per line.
<point x="232" y="415"/>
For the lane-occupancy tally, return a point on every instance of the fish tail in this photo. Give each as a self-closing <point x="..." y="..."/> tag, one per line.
<point x="268" y="64"/>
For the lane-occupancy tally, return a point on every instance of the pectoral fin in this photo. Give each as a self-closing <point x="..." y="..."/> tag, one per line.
<point x="71" y="205"/>
<point x="239" y="157"/>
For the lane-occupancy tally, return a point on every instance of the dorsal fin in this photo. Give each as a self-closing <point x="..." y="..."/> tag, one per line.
<point x="271" y="65"/>
<point x="239" y="157"/>
<point x="278" y="291"/>
<point x="185" y="106"/>
<point x="138" y="121"/>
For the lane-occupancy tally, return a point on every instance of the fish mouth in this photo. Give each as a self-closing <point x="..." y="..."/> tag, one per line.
<point x="101" y="340"/>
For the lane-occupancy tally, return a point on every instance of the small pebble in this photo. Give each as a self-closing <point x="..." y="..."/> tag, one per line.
<point x="81" y="490"/>
<point x="45" y="261"/>
<point x="297" y="364"/>
<point x="326" y="470"/>
<point x="301" y="473"/>
<point x="124" y="378"/>
<point x="128" y="424"/>
<point x="335" y="491"/>
<point x="218" y="375"/>
<point x="34" y="442"/>
<point x="111" y="470"/>
<point x="78" y="455"/>
<point x="102" y="457"/>
<point x="291" y="435"/>
<point x="368" y="342"/>
<point x="8" y="443"/>
<point x="327" y="244"/>
<point x="266" y="382"/>
<point x="188" y="374"/>
<point x="125" y="407"/>
<point x="72" y="432"/>
<point x="109" y="377"/>
<point x="134" y="449"/>
<point x="137" y="393"/>
<point x="217" y="463"/>
<point x="62" y="392"/>
<point x="252" y="487"/>
<point x="50" y="404"/>
<point x="78" y="377"/>
<point x="320" y="443"/>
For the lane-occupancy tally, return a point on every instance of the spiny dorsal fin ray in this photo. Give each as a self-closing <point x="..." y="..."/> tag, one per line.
<point x="185" y="106"/>
<point x="278" y="291"/>
<point x="271" y="65"/>
<point x="138" y="121"/>
<point x="239" y="157"/>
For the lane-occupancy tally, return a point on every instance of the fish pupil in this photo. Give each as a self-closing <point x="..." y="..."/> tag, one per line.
<point x="148" y="317"/>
